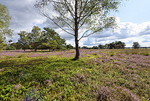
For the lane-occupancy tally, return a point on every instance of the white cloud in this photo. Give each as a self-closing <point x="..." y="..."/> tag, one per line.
<point x="127" y="32"/>
<point x="25" y="16"/>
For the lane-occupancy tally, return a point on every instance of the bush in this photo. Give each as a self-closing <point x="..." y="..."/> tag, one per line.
<point x="116" y="94"/>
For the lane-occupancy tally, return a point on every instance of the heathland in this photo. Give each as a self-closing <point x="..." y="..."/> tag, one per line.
<point x="100" y="74"/>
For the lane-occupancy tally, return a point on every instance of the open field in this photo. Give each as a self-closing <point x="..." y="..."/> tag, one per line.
<point x="100" y="75"/>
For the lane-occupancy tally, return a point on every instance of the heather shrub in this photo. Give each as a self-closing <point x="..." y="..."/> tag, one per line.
<point x="145" y="54"/>
<point x="105" y="94"/>
<point x="116" y="94"/>
<point x="126" y="95"/>
<point x="53" y="76"/>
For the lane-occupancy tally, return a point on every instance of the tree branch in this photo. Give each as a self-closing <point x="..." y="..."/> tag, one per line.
<point x="83" y="36"/>
<point x="70" y="10"/>
<point x="57" y="24"/>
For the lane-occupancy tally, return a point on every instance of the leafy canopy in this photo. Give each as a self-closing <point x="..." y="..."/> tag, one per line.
<point x="136" y="45"/>
<point x="38" y="39"/>
<point x="4" y="20"/>
<point x="4" y="24"/>
<point x="91" y="15"/>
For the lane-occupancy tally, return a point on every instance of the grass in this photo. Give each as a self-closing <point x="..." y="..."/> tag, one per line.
<point x="102" y="75"/>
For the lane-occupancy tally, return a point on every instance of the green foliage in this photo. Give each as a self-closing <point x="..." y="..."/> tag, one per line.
<point x="23" y="40"/>
<point x="94" y="47"/>
<point x="69" y="46"/>
<point x="93" y="14"/>
<point x="9" y="92"/>
<point x="4" y="17"/>
<point x="53" y="39"/>
<point x="104" y="75"/>
<point x="101" y="46"/>
<point x="4" y="20"/>
<point x="72" y="16"/>
<point x="116" y="45"/>
<point x="113" y="45"/>
<point x="4" y="24"/>
<point x="17" y="45"/>
<point x="11" y="48"/>
<point x="2" y="44"/>
<point x="136" y="45"/>
<point x="37" y="39"/>
<point x="34" y="95"/>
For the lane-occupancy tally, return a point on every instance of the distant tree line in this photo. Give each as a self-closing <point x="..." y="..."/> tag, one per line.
<point x="49" y="39"/>
<point x="38" y="39"/>
<point x="113" y="45"/>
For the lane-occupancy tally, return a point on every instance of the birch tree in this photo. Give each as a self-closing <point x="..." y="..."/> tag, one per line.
<point x="79" y="18"/>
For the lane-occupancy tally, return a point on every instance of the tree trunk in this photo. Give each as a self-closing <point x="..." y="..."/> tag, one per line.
<point x="35" y="49"/>
<point x="77" y="49"/>
<point x="76" y="32"/>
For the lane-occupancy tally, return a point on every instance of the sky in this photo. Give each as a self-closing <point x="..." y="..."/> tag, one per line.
<point x="133" y="19"/>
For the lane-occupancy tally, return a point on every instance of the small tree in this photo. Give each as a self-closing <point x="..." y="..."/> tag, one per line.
<point x="10" y="46"/>
<point x="47" y="39"/>
<point x="84" y="47"/>
<point x="16" y="45"/>
<point x="95" y="47"/>
<point x="116" y="45"/>
<point x="51" y="45"/>
<point x="69" y="46"/>
<point x="35" y="38"/>
<point x="119" y="45"/>
<point x="23" y="40"/>
<point x="51" y="36"/>
<point x="136" y="45"/>
<point x="101" y="46"/>
<point x="111" y="45"/>
<point x="72" y="16"/>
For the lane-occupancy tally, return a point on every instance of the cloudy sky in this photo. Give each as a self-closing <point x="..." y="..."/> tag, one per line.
<point x="133" y="21"/>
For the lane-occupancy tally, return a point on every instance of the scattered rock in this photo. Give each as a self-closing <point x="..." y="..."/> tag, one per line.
<point x="17" y="86"/>
<point x="48" y="82"/>
<point x="2" y="70"/>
